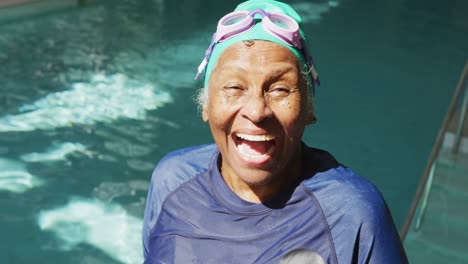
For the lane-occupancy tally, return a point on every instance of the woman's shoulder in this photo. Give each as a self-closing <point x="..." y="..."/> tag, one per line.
<point x="346" y="186"/>
<point x="181" y="165"/>
<point x="337" y="186"/>
<point x="173" y="170"/>
<point x="356" y="214"/>
<point x="195" y="156"/>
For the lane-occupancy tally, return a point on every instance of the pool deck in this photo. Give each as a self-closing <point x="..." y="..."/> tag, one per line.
<point x="443" y="234"/>
<point x="9" y="3"/>
<point x="11" y="10"/>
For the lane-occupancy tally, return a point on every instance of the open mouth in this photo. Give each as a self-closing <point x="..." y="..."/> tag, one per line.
<point x="254" y="149"/>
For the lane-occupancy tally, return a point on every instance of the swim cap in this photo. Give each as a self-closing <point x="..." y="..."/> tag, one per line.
<point x="258" y="33"/>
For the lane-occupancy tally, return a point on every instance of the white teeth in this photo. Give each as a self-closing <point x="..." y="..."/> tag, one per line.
<point x="255" y="137"/>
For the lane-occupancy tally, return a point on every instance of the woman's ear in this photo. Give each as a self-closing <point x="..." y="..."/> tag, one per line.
<point x="205" y="113"/>
<point x="202" y="100"/>
<point x="311" y="117"/>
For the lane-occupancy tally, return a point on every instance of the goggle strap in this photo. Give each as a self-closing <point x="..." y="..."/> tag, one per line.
<point x="314" y="74"/>
<point x="201" y="67"/>
<point x="208" y="52"/>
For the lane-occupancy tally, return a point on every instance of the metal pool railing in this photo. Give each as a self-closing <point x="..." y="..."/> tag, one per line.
<point x="424" y="186"/>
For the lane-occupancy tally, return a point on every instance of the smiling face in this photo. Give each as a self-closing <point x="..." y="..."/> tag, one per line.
<point x="257" y="108"/>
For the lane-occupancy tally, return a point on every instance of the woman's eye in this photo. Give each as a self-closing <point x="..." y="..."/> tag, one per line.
<point x="233" y="89"/>
<point x="279" y="91"/>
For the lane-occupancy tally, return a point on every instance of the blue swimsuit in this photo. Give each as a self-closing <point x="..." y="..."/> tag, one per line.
<point x="192" y="216"/>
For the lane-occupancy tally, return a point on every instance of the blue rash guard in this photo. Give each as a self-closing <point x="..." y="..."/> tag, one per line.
<point x="192" y="216"/>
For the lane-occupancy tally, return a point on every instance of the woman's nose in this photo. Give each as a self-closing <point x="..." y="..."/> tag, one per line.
<point x="256" y="108"/>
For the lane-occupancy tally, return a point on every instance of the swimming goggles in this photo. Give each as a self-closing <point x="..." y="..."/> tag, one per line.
<point x="280" y="26"/>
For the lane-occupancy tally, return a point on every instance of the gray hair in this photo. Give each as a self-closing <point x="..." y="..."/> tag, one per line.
<point x="201" y="97"/>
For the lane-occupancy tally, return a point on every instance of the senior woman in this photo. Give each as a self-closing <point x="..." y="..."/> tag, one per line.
<point x="259" y="194"/>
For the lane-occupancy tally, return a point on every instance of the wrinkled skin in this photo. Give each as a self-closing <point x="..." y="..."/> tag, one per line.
<point x="257" y="108"/>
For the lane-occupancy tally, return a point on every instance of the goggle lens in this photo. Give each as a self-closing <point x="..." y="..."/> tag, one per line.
<point x="233" y="20"/>
<point x="280" y="22"/>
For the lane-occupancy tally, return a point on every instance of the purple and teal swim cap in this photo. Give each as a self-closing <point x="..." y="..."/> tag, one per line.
<point x="258" y="33"/>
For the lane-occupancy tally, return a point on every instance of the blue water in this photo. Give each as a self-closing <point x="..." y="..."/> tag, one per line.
<point x="92" y="97"/>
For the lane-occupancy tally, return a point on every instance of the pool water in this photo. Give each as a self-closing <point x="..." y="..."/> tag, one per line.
<point x="92" y="97"/>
